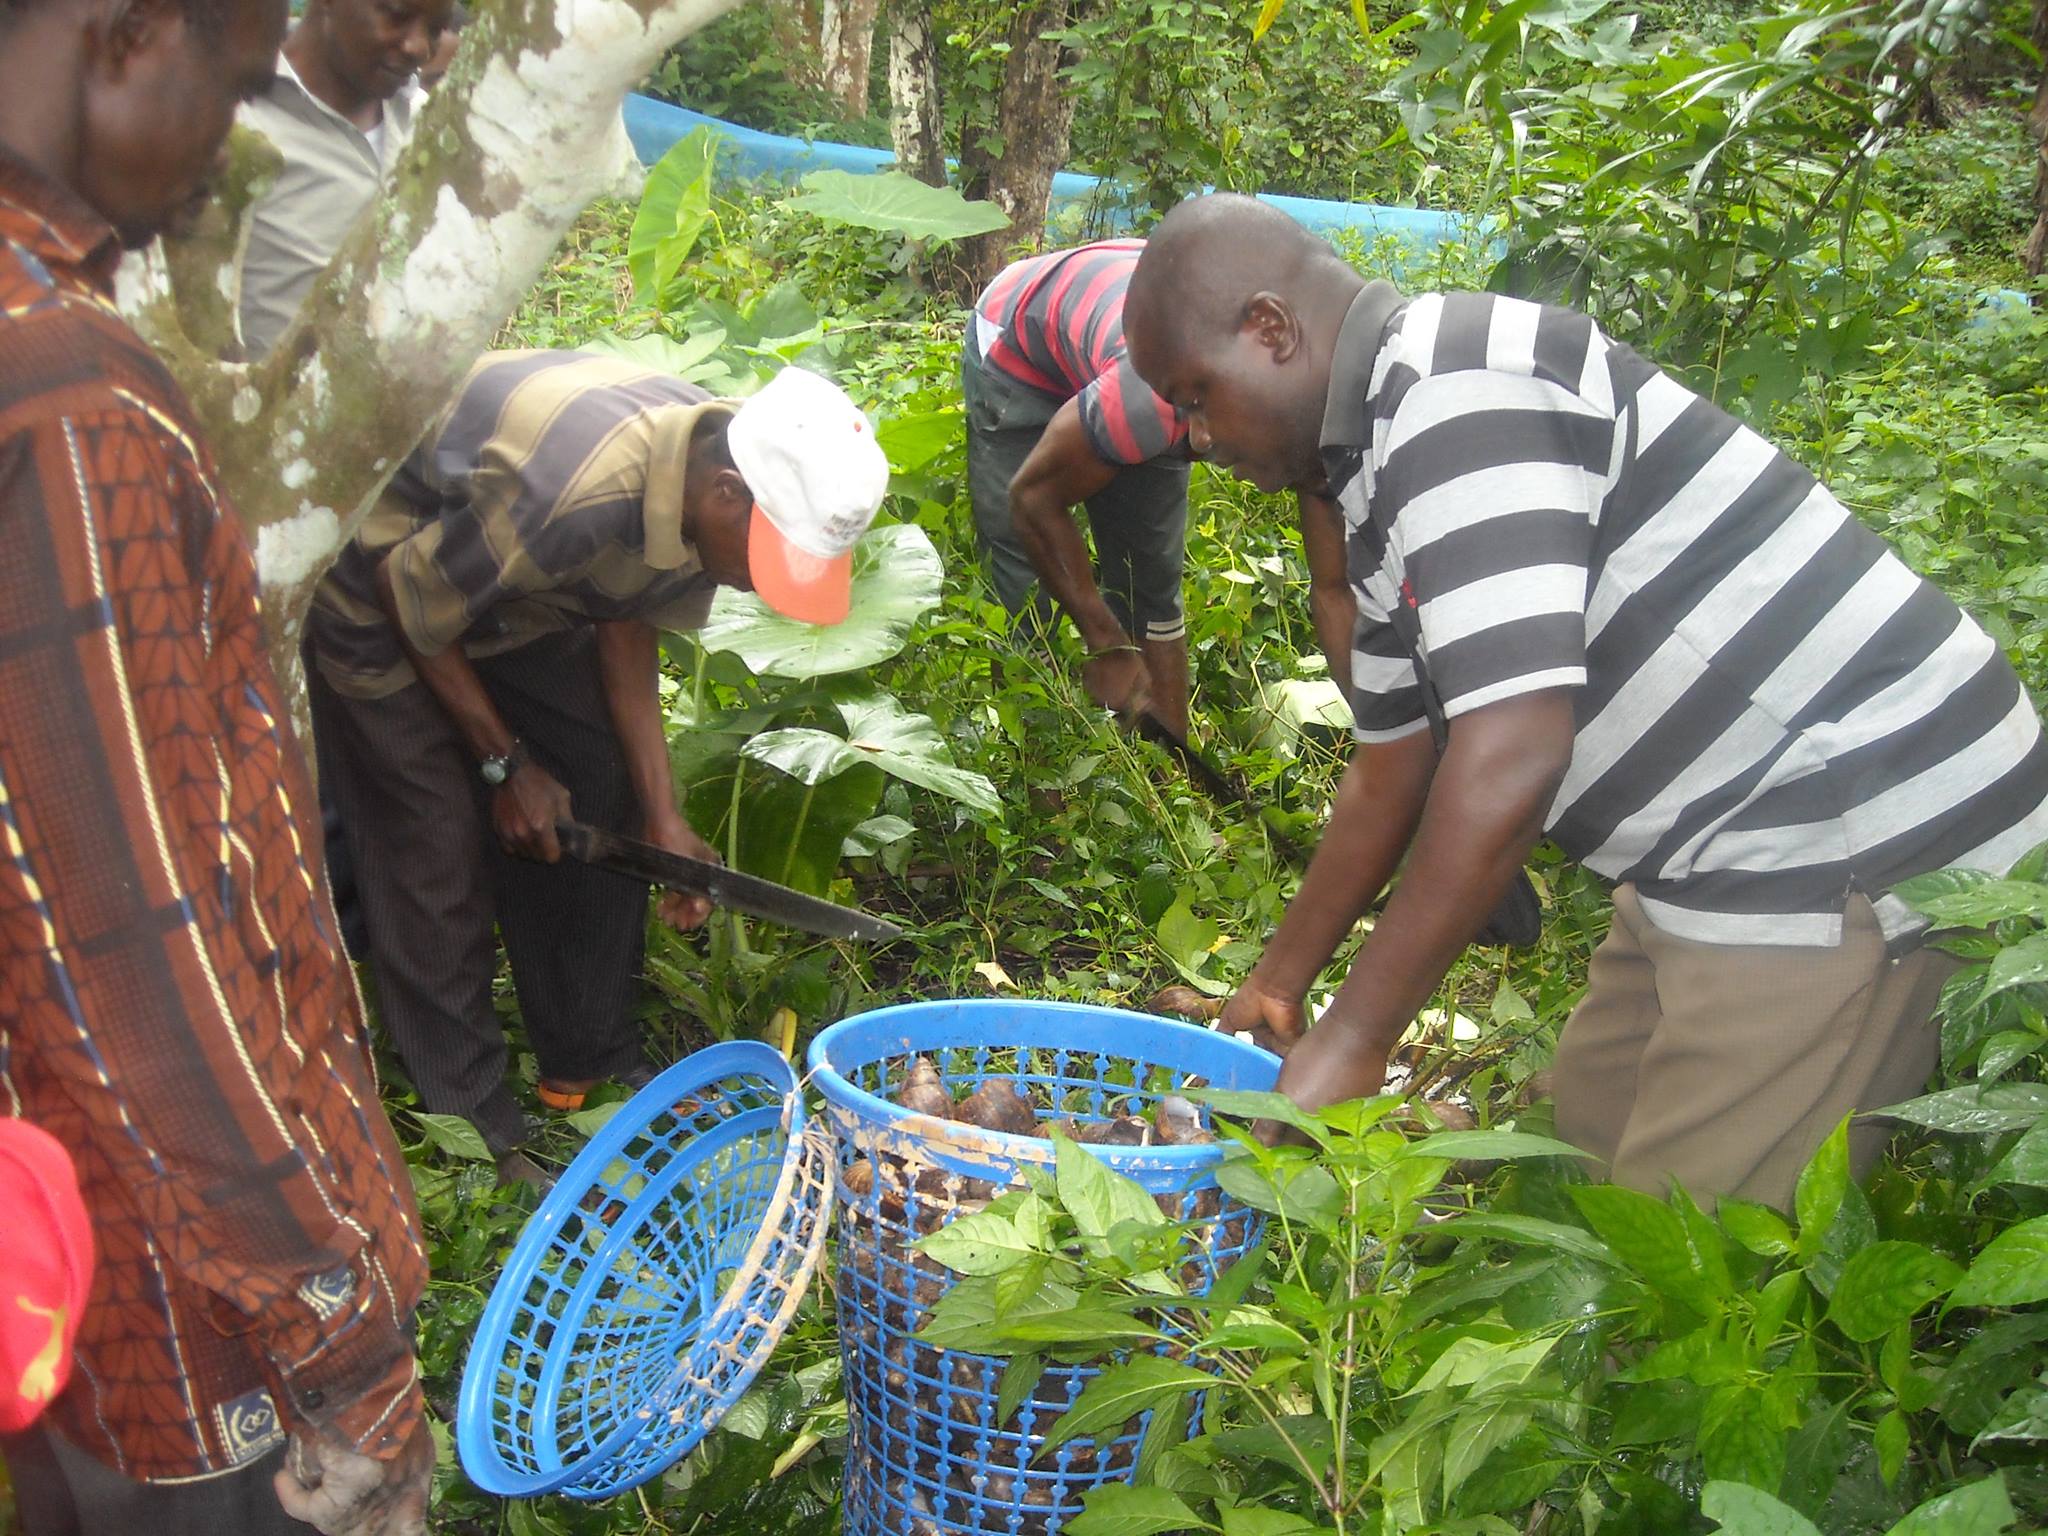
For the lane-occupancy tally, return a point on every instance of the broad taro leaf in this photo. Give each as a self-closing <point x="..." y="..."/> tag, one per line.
<point x="672" y="214"/>
<point x="908" y="746"/>
<point x="695" y="359"/>
<point x="788" y="831"/>
<point x="896" y="580"/>
<point x="897" y="204"/>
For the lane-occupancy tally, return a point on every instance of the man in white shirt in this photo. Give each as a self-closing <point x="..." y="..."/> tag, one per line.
<point x="339" y="111"/>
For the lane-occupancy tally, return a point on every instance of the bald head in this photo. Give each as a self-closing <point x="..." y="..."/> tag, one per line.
<point x="1232" y="316"/>
<point x="1207" y="258"/>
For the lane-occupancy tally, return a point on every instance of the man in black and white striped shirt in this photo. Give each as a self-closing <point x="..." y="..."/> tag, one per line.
<point x="1654" y="638"/>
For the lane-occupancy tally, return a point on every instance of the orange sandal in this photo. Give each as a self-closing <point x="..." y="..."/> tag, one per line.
<point x="562" y="1098"/>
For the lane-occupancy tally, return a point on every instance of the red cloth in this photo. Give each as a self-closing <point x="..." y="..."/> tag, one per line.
<point x="49" y="1270"/>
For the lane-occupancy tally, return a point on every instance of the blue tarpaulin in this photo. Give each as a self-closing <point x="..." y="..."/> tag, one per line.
<point x="749" y="153"/>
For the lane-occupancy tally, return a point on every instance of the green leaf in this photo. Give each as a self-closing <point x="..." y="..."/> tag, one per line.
<point x="588" y="1122"/>
<point x="2021" y="964"/>
<point x="2022" y="1416"/>
<point x="908" y="746"/>
<point x="1120" y="1391"/>
<point x="897" y="578"/>
<point x="454" y="1136"/>
<point x="910" y="440"/>
<point x="1020" y="1379"/>
<point x="875" y="834"/>
<point x="1818" y="1197"/>
<point x="1533" y="1231"/>
<point x="1240" y="1104"/>
<point x="1185" y="937"/>
<point x="897" y="204"/>
<point x="1745" y="1511"/>
<point x="2026" y="1162"/>
<point x="1485" y="1363"/>
<point x="1973" y="1110"/>
<point x="1647" y="1236"/>
<point x="1251" y="1520"/>
<point x="1255" y="1328"/>
<point x="1883" y="1285"/>
<point x="673" y="210"/>
<point x="693" y="359"/>
<point x="1970" y="898"/>
<point x="1739" y="1439"/>
<point x="1298" y="1190"/>
<point x="1488" y="1146"/>
<point x="2011" y="1271"/>
<point x="2001" y="1357"/>
<point x="1891" y="1438"/>
<point x="1117" y="1509"/>
<point x="973" y="1312"/>
<point x="1975" y="1509"/>
<point x="987" y="1242"/>
<point x="1095" y="1194"/>
<point x="1853" y="1229"/>
<point x="1756" y="1227"/>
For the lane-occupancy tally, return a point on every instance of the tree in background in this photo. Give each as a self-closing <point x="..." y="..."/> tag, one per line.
<point x="832" y="43"/>
<point x="516" y="140"/>
<point x="2037" y="121"/>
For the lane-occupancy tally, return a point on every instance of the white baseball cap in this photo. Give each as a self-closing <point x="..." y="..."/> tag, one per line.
<point x="818" y="477"/>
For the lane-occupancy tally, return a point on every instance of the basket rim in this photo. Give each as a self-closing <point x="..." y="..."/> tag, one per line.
<point x="476" y="1440"/>
<point x="845" y="1099"/>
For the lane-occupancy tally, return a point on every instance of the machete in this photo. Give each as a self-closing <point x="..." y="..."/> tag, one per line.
<point x="727" y="888"/>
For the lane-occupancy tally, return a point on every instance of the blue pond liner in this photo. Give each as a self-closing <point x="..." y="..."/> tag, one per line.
<point x="928" y="1454"/>
<point x="749" y="153"/>
<point x="651" y="1285"/>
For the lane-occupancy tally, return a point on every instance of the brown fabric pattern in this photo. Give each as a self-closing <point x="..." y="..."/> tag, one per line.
<point x="175" y="1005"/>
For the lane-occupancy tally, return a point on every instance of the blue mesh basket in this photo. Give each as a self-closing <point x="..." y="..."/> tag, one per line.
<point x="652" y="1283"/>
<point x="927" y="1454"/>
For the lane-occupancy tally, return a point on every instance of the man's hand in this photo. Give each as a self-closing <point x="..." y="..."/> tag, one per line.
<point x="1119" y="681"/>
<point x="525" y="810"/>
<point x="1333" y="1063"/>
<point x="682" y="910"/>
<point x="339" y="1492"/>
<point x="1273" y="1021"/>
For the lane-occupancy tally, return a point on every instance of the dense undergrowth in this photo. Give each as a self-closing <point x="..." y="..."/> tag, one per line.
<point x="1558" y="1356"/>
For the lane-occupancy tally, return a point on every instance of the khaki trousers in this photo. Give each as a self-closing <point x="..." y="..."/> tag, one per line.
<point x="1724" y="1066"/>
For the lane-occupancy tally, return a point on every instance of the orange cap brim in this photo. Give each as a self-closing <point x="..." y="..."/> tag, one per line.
<point x="815" y="589"/>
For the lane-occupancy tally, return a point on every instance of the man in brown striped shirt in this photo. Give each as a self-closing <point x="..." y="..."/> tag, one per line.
<point x="486" y="660"/>
<point x="174" y="1005"/>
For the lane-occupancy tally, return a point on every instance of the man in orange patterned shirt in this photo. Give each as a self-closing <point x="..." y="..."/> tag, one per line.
<point x="174" y="1003"/>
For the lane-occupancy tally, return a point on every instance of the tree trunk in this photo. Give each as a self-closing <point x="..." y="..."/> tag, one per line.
<point x="507" y="151"/>
<point x="2037" y="120"/>
<point x="831" y="44"/>
<point x="914" y="127"/>
<point x="846" y="43"/>
<point x="1033" y="122"/>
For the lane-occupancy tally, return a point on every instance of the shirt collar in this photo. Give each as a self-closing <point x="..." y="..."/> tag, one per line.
<point x="663" y="545"/>
<point x="1347" y="421"/>
<point x="397" y="106"/>
<point x="54" y="224"/>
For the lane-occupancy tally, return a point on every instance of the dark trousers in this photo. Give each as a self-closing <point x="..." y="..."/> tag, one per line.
<point x="433" y="880"/>
<point x="61" y="1491"/>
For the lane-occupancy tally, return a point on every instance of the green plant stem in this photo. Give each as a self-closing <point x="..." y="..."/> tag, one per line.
<point x="796" y="833"/>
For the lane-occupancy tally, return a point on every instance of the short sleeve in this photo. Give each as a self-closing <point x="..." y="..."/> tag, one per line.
<point x="1386" y="698"/>
<point x="1492" y="484"/>
<point x="1126" y="423"/>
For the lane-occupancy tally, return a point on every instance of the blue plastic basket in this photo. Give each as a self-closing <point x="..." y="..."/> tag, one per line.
<point x="652" y="1283"/>
<point x="927" y="1454"/>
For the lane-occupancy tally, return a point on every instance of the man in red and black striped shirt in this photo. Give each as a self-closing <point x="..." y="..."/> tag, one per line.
<point x="1056" y="417"/>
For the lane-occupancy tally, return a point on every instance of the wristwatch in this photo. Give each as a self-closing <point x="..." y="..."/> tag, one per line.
<point x="496" y="770"/>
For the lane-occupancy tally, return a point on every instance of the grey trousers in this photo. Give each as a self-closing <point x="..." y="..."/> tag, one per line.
<point x="1139" y="521"/>
<point x="433" y="881"/>
<point x="61" y="1491"/>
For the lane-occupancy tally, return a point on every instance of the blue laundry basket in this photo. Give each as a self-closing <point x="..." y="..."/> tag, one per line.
<point x="928" y="1455"/>
<point x="652" y="1284"/>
